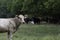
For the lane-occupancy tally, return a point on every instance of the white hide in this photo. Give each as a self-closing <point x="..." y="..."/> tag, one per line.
<point x="22" y="17"/>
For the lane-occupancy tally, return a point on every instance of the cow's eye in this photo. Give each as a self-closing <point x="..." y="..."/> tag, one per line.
<point x="19" y="18"/>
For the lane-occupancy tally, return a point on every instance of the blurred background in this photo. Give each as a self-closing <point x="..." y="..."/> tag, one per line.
<point x="48" y="10"/>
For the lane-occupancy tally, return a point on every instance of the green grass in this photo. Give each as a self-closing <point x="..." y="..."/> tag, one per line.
<point x="35" y="32"/>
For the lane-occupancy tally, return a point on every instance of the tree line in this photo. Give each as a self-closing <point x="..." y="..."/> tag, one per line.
<point x="42" y="8"/>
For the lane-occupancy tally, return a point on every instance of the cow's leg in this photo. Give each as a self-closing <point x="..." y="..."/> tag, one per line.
<point x="10" y="35"/>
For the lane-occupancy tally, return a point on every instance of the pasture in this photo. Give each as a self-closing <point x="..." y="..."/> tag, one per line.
<point x="35" y="32"/>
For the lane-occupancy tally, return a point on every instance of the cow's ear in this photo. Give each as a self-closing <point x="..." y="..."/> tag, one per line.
<point x="17" y="16"/>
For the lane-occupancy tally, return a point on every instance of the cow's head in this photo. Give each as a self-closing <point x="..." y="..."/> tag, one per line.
<point x="21" y="18"/>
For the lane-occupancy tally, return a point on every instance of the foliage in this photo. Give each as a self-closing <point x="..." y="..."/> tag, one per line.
<point x="33" y="7"/>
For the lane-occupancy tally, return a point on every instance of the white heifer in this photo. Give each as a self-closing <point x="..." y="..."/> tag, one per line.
<point x="9" y="25"/>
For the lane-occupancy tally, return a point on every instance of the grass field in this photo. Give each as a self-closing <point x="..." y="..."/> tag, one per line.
<point x="35" y="32"/>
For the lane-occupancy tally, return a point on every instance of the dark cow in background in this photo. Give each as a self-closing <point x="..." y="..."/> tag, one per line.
<point x="33" y="20"/>
<point x="36" y="20"/>
<point x="10" y="25"/>
<point x="26" y="19"/>
<point x="42" y="19"/>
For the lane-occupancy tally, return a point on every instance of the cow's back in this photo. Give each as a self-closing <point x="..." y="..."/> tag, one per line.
<point x="5" y="24"/>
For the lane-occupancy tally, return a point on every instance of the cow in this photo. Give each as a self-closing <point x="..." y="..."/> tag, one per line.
<point x="10" y="25"/>
<point x="27" y="20"/>
<point x="32" y="20"/>
<point x="36" y="20"/>
<point x="22" y="17"/>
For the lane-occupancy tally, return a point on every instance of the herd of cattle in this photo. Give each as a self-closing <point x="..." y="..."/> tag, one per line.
<point x="39" y="20"/>
<point x="10" y="25"/>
